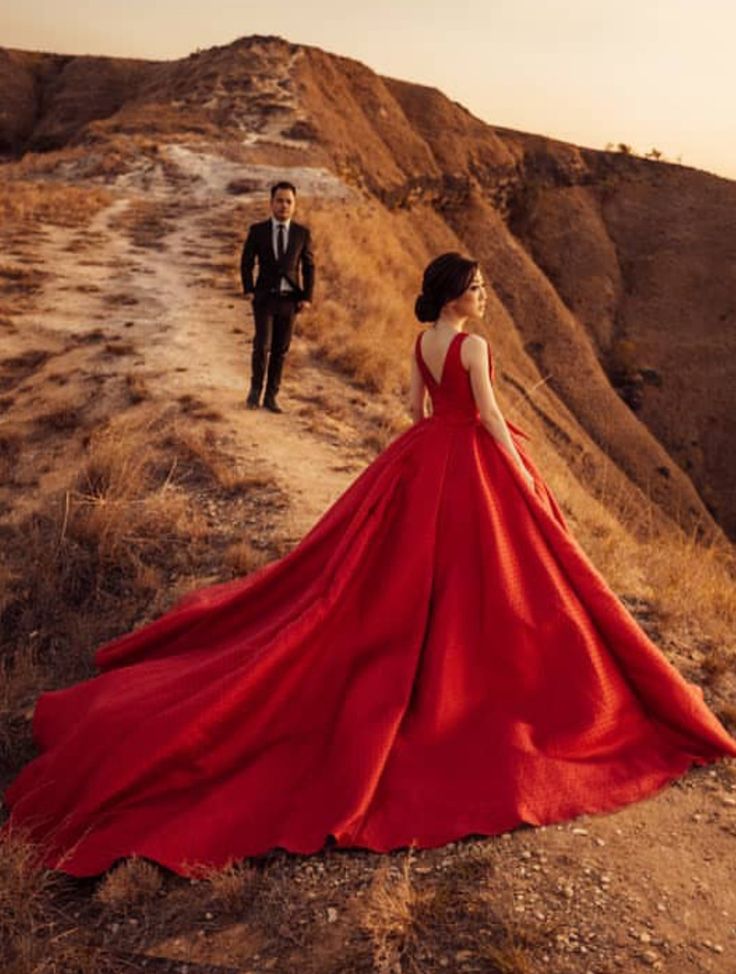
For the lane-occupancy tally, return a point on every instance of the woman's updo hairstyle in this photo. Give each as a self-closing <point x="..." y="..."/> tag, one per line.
<point x="446" y="278"/>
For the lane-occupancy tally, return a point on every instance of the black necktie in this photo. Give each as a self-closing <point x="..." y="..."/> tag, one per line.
<point x="280" y="244"/>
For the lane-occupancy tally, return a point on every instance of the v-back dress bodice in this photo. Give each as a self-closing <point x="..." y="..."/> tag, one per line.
<point x="453" y="402"/>
<point x="452" y="396"/>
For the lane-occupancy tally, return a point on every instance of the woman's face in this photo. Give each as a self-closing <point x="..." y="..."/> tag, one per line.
<point x="472" y="302"/>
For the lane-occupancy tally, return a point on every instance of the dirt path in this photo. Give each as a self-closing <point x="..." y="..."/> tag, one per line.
<point x="651" y="887"/>
<point x="186" y="338"/>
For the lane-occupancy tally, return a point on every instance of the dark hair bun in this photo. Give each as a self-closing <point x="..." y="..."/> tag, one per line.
<point x="426" y="308"/>
<point x="445" y="278"/>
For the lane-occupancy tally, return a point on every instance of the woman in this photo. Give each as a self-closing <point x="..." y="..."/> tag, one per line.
<point x="436" y="658"/>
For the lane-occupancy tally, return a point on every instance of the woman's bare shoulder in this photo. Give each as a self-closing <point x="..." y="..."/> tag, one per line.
<point x="474" y="348"/>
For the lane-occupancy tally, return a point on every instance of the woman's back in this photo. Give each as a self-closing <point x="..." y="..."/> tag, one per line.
<point x="434" y="347"/>
<point x="446" y="377"/>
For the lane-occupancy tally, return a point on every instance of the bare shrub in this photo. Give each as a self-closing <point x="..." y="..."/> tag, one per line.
<point x="131" y="883"/>
<point x="388" y="917"/>
<point x="32" y="938"/>
<point x="232" y="889"/>
<point x="243" y="558"/>
<point x="121" y="508"/>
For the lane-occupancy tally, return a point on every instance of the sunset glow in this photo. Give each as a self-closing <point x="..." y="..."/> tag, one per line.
<point x="651" y="74"/>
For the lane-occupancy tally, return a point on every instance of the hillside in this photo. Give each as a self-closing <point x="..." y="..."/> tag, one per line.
<point x="615" y="274"/>
<point x="130" y="471"/>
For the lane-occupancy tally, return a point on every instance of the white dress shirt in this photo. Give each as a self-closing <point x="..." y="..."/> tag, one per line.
<point x="284" y="287"/>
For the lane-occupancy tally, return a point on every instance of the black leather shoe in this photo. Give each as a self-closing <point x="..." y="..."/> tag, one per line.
<point x="252" y="401"/>
<point x="270" y="403"/>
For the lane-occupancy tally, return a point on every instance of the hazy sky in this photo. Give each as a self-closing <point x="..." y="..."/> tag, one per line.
<point x="649" y="73"/>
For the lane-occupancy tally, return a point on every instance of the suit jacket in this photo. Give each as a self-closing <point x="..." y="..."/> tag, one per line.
<point x="298" y="257"/>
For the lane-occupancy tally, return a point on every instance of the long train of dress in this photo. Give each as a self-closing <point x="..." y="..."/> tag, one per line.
<point x="436" y="658"/>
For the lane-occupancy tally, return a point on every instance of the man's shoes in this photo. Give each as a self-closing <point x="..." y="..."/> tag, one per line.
<point x="252" y="401"/>
<point x="270" y="403"/>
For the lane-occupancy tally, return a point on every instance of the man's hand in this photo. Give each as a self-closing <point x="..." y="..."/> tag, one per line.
<point x="303" y="305"/>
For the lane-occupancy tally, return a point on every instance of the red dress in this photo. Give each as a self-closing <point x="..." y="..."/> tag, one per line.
<point x="436" y="658"/>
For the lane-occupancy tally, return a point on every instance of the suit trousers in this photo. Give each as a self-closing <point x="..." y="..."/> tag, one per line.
<point x="274" y="320"/>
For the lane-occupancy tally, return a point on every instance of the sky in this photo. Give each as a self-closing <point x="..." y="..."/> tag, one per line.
<point x="649" y="73"/>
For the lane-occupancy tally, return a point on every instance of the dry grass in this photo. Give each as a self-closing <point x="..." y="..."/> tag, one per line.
<point x="205" y="459"/>
<point x="197" y="408"/>
<point x="153" y="506"/>
<point x="120" y="299"/>
<point x="694" y="585"/>
<point x="691" y="582"/>
<point x="34" y="930"/>
<point x="147" y="222"/>
<point x="83" y="568"/>
<point x="20" y="281"/>
<point x="363" y="329"/>
<point x="23" y="202"/>
<point x="61" y="420"/>
<point x="726" y="713"/>
<point x="10" y="450"/>
<point x="233" y="888"/>
<point x="389" y="918"/>
<point x="243" y="558"/>
<point x="137" y="388"/>
<point x="130" y="884"/>
<point x="119" y="348"/>
<point x="20" y="678"/>
<point x="103" y="161"/>
<point x="122" y="508"/>
<point x="336" y="914"/>
<point x="421" y="918"/>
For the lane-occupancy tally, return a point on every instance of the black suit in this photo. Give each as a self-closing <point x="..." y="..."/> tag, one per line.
<point x="273" y="308"/>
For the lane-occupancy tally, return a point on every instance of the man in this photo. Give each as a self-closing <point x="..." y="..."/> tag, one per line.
<point x="282" y="248"/>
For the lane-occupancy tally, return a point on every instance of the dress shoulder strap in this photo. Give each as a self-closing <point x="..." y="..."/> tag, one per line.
<point x="418" y="355"/>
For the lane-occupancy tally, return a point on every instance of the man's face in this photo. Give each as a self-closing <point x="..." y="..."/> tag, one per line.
<point x="283" y="203"/>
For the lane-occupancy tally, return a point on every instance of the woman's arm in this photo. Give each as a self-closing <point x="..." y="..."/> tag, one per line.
<point x="417" y="392"/>
<point x="475" y="353"/>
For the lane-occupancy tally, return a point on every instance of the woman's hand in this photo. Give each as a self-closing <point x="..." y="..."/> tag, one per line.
<point x="527" y="477"/>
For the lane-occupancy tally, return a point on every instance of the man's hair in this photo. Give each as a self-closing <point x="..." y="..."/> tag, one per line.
<point x="283" y="184"/>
